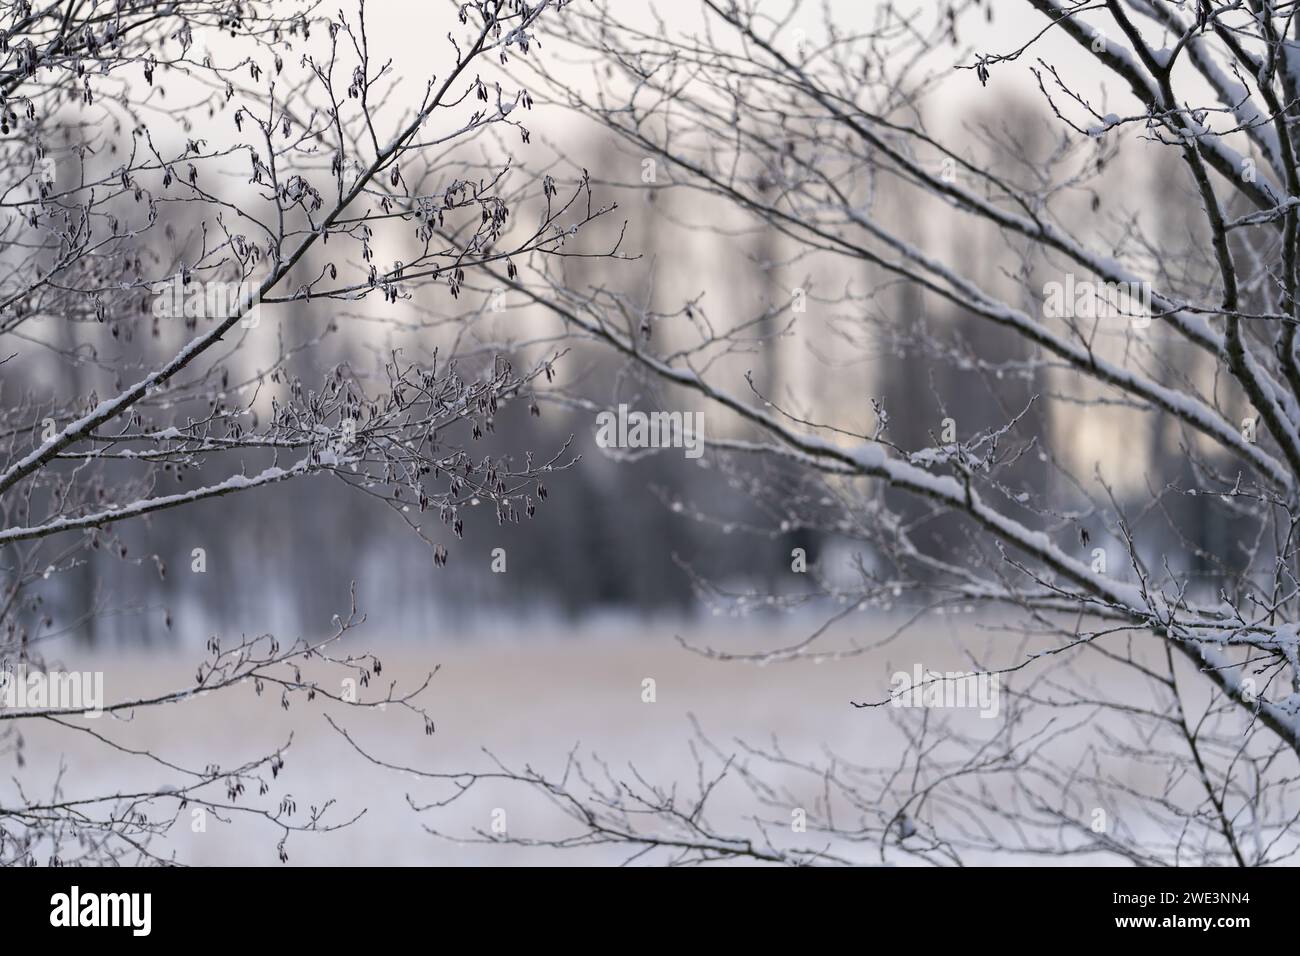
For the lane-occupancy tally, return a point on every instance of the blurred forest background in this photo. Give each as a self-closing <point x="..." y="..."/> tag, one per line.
<point x="625" y="536"/>
<point x="615" y="535"/>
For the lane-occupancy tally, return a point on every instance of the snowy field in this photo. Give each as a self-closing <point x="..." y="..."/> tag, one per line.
<point x="526" y="701"/>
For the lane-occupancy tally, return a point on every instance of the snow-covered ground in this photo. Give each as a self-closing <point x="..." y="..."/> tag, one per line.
<point x="528" y="698"/>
